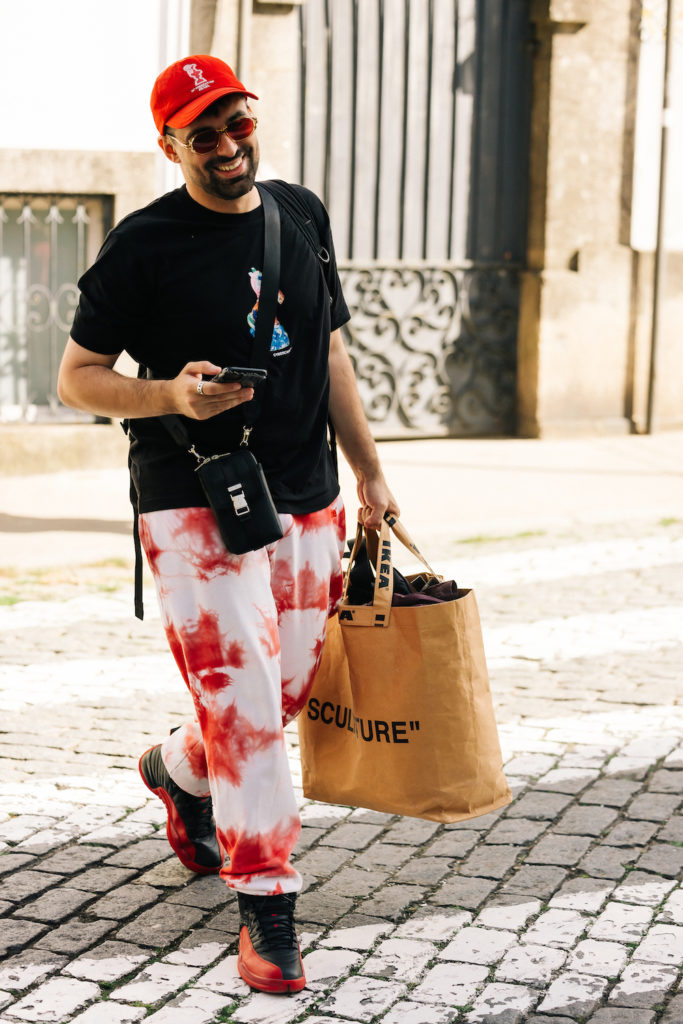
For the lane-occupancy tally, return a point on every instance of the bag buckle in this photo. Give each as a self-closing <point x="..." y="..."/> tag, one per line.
<point x="239" y="502"/>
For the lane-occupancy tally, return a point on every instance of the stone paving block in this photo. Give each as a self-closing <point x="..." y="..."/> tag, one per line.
<point x="400" y="959"/>
<point x="586" y="820"/>
<point x="674" y="1011"/>
<point x="348" y="836"/>
<point x="663" y="859"/>
<point x="641" y="887"/>
<point x="606" y="861"/>
<point x="469" y="893"/>
<point x="100" y="879"/>
<point x="170" y="874"/>
<point x="654" y="806"/>
<point x="11" y="861"/>
<point x="392" y="902"/>
<point x="404" y="1013"/>
<point x="454" y="843"/>
<point x="428" y="923"/>
<point x="411" y="831"/>
<point x="672" y="832"/>
<point x="124" y="901"/>
<point x="623" y="766"/>
<point x="451" y="985"/>
<point x="538" y="881"/>
<point x="201" y="954"/>
<point x="542" y="1019"/>
<point x="325" y="968"/>
<point x="361" y="999"/>
<point x="630" y="833"/>
<point x="141" y="854"/>
<point x="16" y="934"/>
<point x="666" y="780"/>
<point x="54" y="1000"/>
<point x="352" y="881"/>
<point x="72" y="859"/>
<point x="224" y="979"/>
<point x="160" y="926"/>
<point x="606" y="959"/>
<point x="322" y="908"/>
<point x="325" y="861"/>
<point x="266" y="1009"/>
<point x="504" y="1004"/>
<point x="609" y="1015"/>
<point x="556" y="928"/>
<point x="621" y="922"/>
<point x="474" y="945"/>
<point x="194" y="998"/>
<point x="587" y="894"/>
<point x="672" y="911"/>
<point x="490" y="861"/>
<point x="562" y="850"/>
<point x="423" y="870"/>
<point x="109" y="1013"/>
<point x="508" y="912"/>
<point x="530" y="964"/>
<point x="25" y="884"/>
<point x="516" y="831"/>
<point x="532" y="765"/>
<point x="75" y="936"/>
<point x="610" y="792"/>
<point x="55" y="905"/>
<point x="535" y="805"/>
<point x="206" y="891"/>
<point x="643" y="985"/>
<point x="180" y="1015"/>
<point x="571" y="992"/>
<point x="566" y="780"/>
<point x="26" y="968"/>
<point x="227" y="921"/>
<point x="14" y="830"/>
<point x="107" y="962"/>
<point x="362" y="937"/>
<point x="663" y="944"/>
<point x="307" y="837"/>
<point x="480" y="823"/>
<point x="154" y="983"/>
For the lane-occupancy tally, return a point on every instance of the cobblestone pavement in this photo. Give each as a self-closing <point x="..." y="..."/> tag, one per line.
<point x="565" y="906"/>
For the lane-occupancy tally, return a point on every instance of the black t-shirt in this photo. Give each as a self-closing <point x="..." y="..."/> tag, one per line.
<point x="176" y="282"/>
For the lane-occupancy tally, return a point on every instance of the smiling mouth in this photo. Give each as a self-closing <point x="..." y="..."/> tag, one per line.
<point x="228" y="166"/>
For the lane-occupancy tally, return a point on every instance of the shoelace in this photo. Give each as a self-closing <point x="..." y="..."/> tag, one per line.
<point x="197" y="812"/>
<point x="276" y="922"/>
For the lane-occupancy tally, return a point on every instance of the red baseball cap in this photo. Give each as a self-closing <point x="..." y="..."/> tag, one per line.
<point x="188" y="87"/>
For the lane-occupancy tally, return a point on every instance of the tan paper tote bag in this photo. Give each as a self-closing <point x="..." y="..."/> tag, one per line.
<point x="400" y="717"/>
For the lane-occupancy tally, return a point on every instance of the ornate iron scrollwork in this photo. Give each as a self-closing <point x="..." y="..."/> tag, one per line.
<point x="434" y="347"/>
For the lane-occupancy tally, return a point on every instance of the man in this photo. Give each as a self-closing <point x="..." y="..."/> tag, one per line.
<point x="176" y="285"/>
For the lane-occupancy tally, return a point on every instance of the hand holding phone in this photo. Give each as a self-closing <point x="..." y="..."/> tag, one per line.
<point x="246" y="376"/>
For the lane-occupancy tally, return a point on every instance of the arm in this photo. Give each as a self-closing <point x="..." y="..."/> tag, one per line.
<point x="355" y="439"/>
<point x="88" y="381"/>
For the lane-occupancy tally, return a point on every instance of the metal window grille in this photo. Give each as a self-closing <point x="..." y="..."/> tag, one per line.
<point x="46" y="243"/>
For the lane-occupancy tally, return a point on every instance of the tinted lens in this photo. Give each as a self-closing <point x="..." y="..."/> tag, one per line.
<point x="241" y="128"/>
<point x="206" y="140"/>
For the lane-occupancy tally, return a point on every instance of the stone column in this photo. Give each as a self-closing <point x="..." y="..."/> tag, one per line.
<point x="575" y="319"/>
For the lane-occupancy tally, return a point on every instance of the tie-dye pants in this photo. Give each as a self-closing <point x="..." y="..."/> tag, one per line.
<point x="246" y="632"/>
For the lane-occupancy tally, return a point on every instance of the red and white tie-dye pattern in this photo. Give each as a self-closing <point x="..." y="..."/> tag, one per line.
<point x="247" y="633"/>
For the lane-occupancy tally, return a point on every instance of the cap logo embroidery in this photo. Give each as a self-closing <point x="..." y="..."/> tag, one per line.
<point x="197" y="76"/>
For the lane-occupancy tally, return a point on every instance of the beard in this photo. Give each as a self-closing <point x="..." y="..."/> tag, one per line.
<point x="231" y="188"/>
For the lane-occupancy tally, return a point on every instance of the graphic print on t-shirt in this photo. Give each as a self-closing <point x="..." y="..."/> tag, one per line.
<point x="280" y="343"/>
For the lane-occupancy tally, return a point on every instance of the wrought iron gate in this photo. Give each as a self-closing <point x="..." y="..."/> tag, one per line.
<point x="46" y="243"/>
<point x="414" y="130"/>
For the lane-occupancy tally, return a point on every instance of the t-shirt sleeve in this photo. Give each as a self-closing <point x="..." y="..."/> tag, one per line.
<point x="339" y="311"/>
<point x="112" y="310"/>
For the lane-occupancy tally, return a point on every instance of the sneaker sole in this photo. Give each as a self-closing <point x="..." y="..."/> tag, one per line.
<point x="175" y="830"/>
<point x="275" y="986"/>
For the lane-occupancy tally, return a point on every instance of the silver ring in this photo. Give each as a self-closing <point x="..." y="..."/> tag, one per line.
<point x="200" y="388"/>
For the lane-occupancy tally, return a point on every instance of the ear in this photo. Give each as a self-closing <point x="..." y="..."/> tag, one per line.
<point x="168" y="149"/>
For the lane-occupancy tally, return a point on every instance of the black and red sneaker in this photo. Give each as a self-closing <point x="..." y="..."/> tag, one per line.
<point x="191" y="828"/>
<point x="269" y="956"/>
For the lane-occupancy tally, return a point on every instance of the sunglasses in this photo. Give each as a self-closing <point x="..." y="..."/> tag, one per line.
<point x="208" y="139"/>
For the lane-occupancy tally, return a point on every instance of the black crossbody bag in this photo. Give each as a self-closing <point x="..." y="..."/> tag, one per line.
<point x="234" y="482"/>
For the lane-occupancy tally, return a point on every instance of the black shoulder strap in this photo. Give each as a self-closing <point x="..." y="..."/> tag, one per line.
<point x="291" y="200"/>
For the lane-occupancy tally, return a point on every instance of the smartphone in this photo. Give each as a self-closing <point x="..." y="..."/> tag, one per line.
<point x="247" y="376"/>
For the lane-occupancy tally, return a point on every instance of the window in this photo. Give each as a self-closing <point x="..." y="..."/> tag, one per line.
<point x="46" y="242"/>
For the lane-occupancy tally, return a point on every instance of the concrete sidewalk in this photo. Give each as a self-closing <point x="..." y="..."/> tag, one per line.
<point x="448" y="490"/>
<point x="565" y="907"/>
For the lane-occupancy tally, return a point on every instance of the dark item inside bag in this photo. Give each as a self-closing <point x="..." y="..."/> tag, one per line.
<point x="236" y="488"/>
<point x="423" y="589"/>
